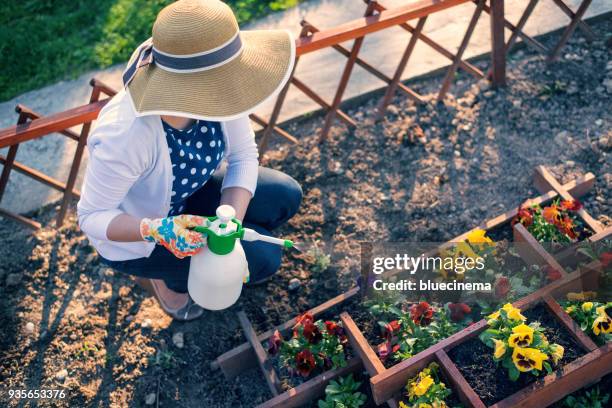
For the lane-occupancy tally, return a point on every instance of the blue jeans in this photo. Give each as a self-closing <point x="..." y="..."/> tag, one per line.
<point x="276" y="200"/>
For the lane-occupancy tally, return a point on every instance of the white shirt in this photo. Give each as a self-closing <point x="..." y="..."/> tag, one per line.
<point x="129" y="171"/>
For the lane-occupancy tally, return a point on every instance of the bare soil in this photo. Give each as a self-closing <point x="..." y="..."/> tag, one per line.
<point x="425" y="173"/>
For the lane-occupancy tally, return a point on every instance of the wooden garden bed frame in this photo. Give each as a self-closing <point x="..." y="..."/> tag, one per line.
<point x="386" y="383"/>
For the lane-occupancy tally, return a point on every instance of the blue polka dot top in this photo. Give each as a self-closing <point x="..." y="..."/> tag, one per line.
<point x="195" y="153"/>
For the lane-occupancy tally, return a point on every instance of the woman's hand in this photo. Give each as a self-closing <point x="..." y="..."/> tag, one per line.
<point x="174" y="233"/>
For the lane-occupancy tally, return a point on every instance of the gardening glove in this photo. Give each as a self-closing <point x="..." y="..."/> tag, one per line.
<point x="175" y="233"/>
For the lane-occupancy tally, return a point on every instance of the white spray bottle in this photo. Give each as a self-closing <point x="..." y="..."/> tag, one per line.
<point x="218" y="271"/>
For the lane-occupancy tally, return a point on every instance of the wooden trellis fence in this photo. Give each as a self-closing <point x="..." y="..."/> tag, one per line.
<point x="377" y="17"/>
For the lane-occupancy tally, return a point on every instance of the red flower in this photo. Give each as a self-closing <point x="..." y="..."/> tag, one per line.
<point x="304" y="362"/>
<point x="384" y="350"/>
<point x="391" y="328"/>
<point x="274" y="342"/>
<point x="502" y="287"/>
<point x="523" y="216"/>
<point x="312" y="333"/>
<point x="566" y="226"/>
<point x="571" y="205"/>
<point x="421" y="313"/>
<point x="552" y="274"/>
<point x="458" y="311"/>
<point x="334" y="329"/>
<point x="606" y="259"/>
<point x="302" y="320"/>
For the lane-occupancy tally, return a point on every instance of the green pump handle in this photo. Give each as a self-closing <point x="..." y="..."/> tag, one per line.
<point x="221" y="244"/>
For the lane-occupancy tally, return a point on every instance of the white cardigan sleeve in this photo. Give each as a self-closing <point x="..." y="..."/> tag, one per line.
<point x="114" y="166"/>
<point x="242" y="158"/>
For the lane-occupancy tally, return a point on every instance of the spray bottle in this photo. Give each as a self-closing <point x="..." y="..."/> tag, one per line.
<point x="218" y="271"/>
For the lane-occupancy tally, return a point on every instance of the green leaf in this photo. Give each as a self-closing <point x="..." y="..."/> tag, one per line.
<point x="547" y="367"/>
<point x="513" y="373"/>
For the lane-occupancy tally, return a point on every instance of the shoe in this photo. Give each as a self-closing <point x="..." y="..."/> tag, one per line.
<point x="189" y="311"/>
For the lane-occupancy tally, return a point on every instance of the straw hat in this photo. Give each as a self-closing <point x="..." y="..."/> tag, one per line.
<point x="198" y="64"/>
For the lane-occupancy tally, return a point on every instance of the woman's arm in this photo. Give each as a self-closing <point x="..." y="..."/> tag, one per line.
<point x="124" y="228"/>
<point x="238" y="198"/>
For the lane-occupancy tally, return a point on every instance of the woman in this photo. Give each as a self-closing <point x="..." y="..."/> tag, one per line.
<point x="156" y="152"/>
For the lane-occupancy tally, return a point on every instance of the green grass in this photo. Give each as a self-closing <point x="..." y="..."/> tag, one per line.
<point x="44" y="41"/>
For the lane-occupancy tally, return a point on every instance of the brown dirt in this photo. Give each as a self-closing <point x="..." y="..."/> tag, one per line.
<point x="376" y="182"/>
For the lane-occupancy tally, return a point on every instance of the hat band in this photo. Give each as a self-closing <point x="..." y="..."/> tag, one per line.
<point x="200" y="61"/>
<point x="148" y="54"/>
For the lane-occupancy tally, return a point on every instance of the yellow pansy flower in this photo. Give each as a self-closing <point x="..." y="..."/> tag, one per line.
<point x="570" y="309"/>
<point x="512" y="312"/>
<point x="500" y="349"/>
<point x="479" y="236"/>
<point x="603" y="324"/>
<point x="587" y="306"/>
<point x="424" y="405"/>
<point x="421" y="385"/>
<point x="402" y="404"/>
<point x="601" y="310"/>
<point x="557" y="353"/>
<point x="526" y="359"/>
<point x="522" y="336"/>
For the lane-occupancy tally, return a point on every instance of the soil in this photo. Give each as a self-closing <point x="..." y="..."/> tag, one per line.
<point x="489" y="379"/>
<point x="425" y="173"/>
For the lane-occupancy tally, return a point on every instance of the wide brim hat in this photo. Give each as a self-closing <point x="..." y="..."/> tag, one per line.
<point x="198" y="64"/>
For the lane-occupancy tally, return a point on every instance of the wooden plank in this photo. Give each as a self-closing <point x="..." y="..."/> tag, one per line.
<point x="571" y="377"/>
<point x="360" y="345"/>
<point x="569" y="30"/>
<point x="532" y="252"/>
<point x="35" y="115"/>
<point x="260" y="121"/>
<point x="262" y="356"/>
<point x="577" y="188"/>
<point x="20" y="218"/>
<point x="367" y="25"/>
<point x="385" y="384"/>
<point x="401" y="67"/>
<point x="565" y="195"/>
<point x="498" y="47"/>
<point x="604" y="233"/>
<point x="50" y="124"/>
<point x="570" y="324"/>
<point x="39" y="176"/>
<point x="311" y="389"/>
<point x="468" y="67"/>
<point x="315" y="97"/>
<point x="460" y="386"/>
<point x="586" y="30"/>
<point x="240" y="358"/>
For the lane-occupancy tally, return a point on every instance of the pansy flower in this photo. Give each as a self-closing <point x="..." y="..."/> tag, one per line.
<point x="421" y="313"/>
<point x="523" y="216"/>
<point x="305" y="362"/>
<point x="571" y="205"/>
<point x="458" y="311"/>
<point x="312" y="333"/>
<point x="526" y="359"/>
<point x="522" y="336"/>
<point x="274" y="342"/>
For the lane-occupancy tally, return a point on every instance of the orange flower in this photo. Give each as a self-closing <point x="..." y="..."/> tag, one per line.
<point x="523" y="216"/>
<point x="552" y="214"/>
<point x="566" y="226"/>
<point x="571" y="205"/>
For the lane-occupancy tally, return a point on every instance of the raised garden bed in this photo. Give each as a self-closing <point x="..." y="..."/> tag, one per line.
<point x="387" y="382"/>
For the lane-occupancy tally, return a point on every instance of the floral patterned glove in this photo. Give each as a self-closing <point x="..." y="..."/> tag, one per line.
<point x="174" y="233"/>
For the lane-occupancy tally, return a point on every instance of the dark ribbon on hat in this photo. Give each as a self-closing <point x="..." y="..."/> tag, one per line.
<point x="146" y="55"/>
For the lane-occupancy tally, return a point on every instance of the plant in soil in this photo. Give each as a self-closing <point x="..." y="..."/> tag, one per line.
<point x="593" y="318"/>
<point x="426" y="390"/>
<point x="343" y="393"/>
<point x="503" y="268"/>
<point x="593" y="398"/>
<point x="418" y="327"/>
<point x="317" y="258"/>
<point x="517" y="346"/>
<point x="312" y="348"/>
<point x="556" y="223"/>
